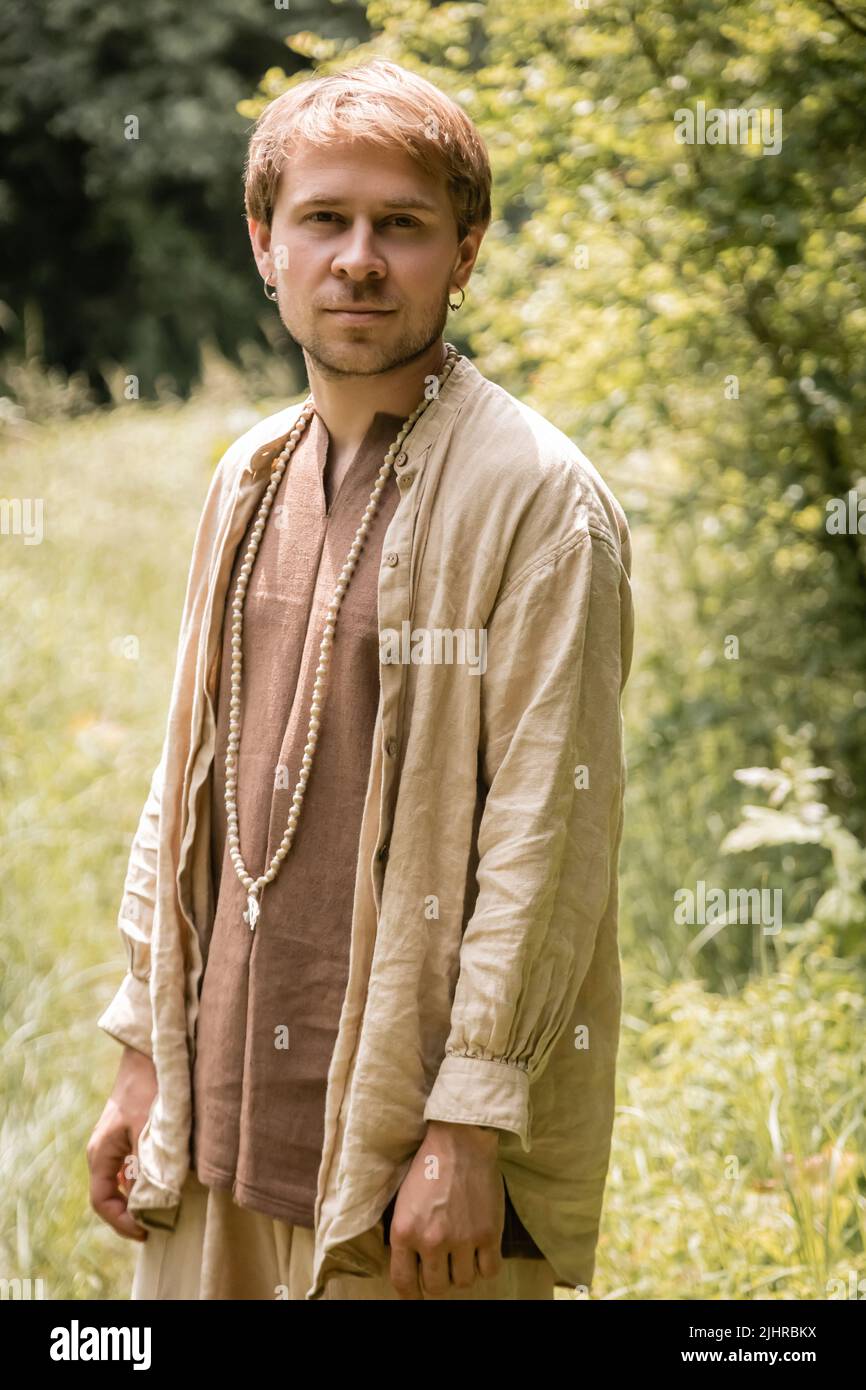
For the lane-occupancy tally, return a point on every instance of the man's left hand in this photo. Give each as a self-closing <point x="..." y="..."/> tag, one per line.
<point x="446" y="1230"/>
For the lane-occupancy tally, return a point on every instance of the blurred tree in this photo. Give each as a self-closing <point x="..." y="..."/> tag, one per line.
<point x="134" y="250"/>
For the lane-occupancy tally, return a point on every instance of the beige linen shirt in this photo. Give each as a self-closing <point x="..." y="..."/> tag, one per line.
<point x="484" y="974"/>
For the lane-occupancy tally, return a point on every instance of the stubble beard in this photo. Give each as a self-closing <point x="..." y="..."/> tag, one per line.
<point x="370" y="358"/>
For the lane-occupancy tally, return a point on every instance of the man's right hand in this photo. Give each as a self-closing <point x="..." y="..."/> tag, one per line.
<point x="116" y="1137"/>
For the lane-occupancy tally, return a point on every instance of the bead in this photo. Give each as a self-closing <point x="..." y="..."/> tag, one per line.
<point x="278" y="466"/>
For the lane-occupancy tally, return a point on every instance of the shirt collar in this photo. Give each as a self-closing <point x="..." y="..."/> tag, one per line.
<point x="463" y="377"/>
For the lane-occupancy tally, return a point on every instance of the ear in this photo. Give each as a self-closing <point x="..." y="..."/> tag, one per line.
<point x="467" y="254"/>
<point x="260" y="240"/>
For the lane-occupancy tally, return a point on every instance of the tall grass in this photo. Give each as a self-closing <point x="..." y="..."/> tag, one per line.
<point x="91" y="619"/>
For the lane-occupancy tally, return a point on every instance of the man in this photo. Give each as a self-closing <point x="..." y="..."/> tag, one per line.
<point x="371" y="907"/>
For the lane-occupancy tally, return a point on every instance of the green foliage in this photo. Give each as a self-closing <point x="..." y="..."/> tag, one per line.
<point x="794" y="815"/>
<point x="132" y="251"/>
<point x="737" y="1170"/>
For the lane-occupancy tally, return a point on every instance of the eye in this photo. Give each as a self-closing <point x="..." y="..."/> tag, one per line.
<point x="398" y="217"/>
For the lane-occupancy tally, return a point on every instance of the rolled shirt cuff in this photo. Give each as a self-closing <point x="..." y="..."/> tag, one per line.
<point x="476" y="1091"/>
<point x="152" y="1204"/>
<point x="128" y="1017"/>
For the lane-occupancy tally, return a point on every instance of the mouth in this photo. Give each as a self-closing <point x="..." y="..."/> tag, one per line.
<point x="359" y="315"/>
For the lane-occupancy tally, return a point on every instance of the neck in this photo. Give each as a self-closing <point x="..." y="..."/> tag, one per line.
<point x="347" y="404"/>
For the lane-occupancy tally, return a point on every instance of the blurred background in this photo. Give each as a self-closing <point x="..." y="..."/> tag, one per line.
<point x="693" y="315"/>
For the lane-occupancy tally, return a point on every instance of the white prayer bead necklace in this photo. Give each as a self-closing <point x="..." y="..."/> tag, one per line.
<point x="253" y="886"/>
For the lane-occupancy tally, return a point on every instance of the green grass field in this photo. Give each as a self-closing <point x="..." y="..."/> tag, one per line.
<point x="737" y="1164"/>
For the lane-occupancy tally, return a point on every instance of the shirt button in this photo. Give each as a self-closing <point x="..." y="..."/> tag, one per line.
<point x="383" y="853"/>
<point x="405" y="478"/>
<point x="391" y="558"/>
<point x="391" y="747"/>
<point x="401" y="458"/>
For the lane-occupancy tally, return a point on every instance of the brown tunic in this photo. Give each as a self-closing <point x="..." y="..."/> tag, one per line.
<point x="271" y="999"/>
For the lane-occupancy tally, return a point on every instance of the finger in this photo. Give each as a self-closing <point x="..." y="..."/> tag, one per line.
<point x="463" y="1268"/>
<point x="435" y="1276"/>
<point x="114" y="1212"/>
<point x="106" y="1198"/>
<point x="110" y="1205"/>
<point x="489" y="1261"/>
<point x="404" y="1271"/>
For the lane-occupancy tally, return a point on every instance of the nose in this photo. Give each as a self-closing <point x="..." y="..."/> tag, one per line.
<point x="357" y="256"/>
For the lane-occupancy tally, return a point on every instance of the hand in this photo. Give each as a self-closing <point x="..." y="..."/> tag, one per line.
<point x="447" y="1224"/>
<point x="116" y="1137"/>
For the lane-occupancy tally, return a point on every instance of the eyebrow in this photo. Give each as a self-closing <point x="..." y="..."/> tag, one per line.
<point x="329" y="200"/>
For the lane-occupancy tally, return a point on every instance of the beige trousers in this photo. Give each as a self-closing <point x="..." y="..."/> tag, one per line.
<point x="221" y="1250"/>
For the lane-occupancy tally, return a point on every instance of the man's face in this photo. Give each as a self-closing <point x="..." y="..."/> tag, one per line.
<point x="348" y="231"/>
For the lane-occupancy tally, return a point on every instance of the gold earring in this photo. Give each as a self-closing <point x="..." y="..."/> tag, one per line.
<point x="460" y="305"/>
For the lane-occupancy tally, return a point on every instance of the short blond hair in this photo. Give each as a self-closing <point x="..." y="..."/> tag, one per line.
<point x="385" y="104"/>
